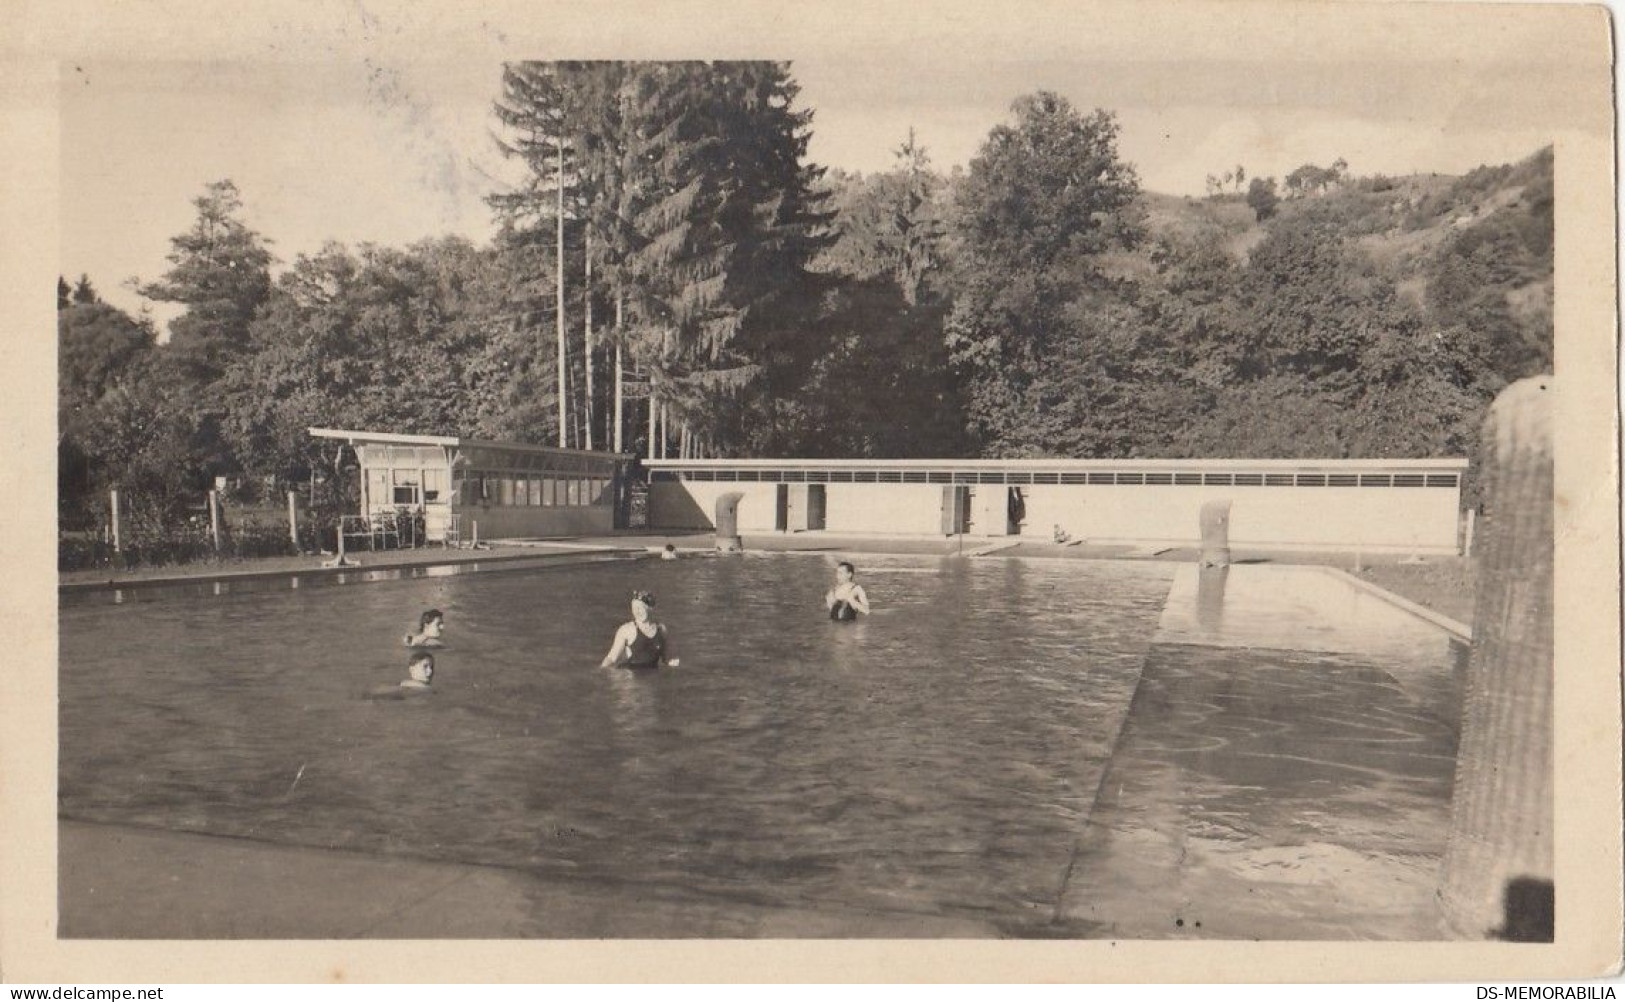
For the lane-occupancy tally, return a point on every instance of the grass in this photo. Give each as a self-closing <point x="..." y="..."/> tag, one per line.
<point x="1443" y="584"/>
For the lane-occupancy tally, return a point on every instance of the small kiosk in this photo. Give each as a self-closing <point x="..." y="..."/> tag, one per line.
<point x="466" y="488"/>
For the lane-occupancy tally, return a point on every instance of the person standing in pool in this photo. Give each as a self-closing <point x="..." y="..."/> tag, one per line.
<point x="642" y="643"/>
<point x="846" y="599"/>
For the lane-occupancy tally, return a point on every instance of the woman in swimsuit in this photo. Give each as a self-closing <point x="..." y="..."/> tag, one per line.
<point x="642" y="643"/>
<point x="846" y="599"/>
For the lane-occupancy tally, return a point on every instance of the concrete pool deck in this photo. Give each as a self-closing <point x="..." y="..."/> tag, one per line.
<point x="259" y="567"/>
<point x="1437" y="583"/>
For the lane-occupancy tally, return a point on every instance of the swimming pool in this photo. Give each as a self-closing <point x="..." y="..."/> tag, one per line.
<point x="940" y="757"/>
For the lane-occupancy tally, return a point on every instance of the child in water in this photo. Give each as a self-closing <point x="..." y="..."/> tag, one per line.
<point x="430" y="624"/>
<point x="642" y="643"/>
<point x="846" y="599"/>
<point x="669" y="553"/>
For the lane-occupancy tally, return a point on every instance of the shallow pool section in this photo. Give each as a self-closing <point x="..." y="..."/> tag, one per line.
<point x="939" y="758"/>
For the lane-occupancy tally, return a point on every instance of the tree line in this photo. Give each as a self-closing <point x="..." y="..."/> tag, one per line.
<point x="673" y="277"/>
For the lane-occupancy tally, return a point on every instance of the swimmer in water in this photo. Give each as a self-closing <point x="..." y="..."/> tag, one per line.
<point x="430" y="625"/>
<point x="419" y="672"/>
<point x="419" y="675"/>
<point x="669" y="553"/>
<point x="642" y="643"/>
<point x="846" y="599"/>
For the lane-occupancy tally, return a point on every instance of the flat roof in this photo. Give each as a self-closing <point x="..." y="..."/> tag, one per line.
<point x="353" y="437"/>
<point x="1033" y="465"/>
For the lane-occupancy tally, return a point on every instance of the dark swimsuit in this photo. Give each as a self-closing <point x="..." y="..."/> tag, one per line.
<point x="646" y="651"/>
<point x="842" y="611"/>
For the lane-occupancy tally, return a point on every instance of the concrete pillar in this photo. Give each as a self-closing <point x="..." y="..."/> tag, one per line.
<point x="118" y="546"/>
<point x="293" y="519"/>
<point x="1216" y="534"/>
<point x="1497" y="875"/>
<point x="728" y="540"/>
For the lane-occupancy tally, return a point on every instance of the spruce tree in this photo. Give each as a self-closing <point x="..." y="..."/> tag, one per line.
<point x="221" y="272"/>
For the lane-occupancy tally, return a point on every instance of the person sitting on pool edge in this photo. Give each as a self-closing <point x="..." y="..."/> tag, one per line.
<point x="430" y="624"/>
<point x="846" y="599"/>
<point x="642" y="643"/>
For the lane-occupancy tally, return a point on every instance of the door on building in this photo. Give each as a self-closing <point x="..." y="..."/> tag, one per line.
<point x="955" y="509"/>
<point x="781" y="508"/>
<point x="816" y="506"/>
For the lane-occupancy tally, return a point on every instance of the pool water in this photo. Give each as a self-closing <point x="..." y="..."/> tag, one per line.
<point x="941" y="756"/>
<point x="1273" y="794"/>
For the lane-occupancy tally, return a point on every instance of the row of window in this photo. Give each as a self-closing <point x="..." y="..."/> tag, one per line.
<point x="415" y="487"/>
<point x="1095" y="477"/>
<point x="509" y="490"/>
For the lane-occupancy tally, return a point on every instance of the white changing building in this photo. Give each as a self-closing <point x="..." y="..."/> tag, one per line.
<point x="1401" y="505"/>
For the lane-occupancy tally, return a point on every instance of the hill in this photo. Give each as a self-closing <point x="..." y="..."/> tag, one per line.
<point x="1495" y="221"/>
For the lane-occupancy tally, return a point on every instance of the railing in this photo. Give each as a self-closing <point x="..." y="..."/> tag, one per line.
<point x="402" y="528"/>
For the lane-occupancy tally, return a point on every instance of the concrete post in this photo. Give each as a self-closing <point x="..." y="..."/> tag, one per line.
<point x="728" y="540"/>
<point x="293" y="520"/>
<point x="118" y="546"/>
<point x="214" y="519"/>
<point x="1216" y="534"/>
<point x="1497" y="875"/>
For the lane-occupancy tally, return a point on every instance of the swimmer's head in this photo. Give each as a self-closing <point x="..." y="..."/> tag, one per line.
<point x="845" y="571"/>
<point x="421" y="667"/>
<point x="642" y="602"/>
<point x="670" y="548"/>
<point x="431" y="623"/>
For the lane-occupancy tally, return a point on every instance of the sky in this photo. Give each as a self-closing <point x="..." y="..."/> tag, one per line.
<point x="378" y="143"/>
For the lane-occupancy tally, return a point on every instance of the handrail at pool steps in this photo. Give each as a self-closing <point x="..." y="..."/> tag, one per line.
<point x="1456" y="628"/>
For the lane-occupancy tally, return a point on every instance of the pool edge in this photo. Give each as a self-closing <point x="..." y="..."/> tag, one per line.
<point x="1459" y="630"/>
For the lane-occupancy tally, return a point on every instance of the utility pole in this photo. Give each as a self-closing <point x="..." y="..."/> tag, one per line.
<point x="559" y="146"/>
<point x="620" y="373"/>
<point x="586" y="237"/>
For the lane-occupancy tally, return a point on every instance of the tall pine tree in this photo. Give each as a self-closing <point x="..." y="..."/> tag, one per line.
<point x="220" y="271"/>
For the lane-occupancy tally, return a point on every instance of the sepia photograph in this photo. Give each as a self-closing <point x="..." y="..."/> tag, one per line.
<point x="1100" y="475"/>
